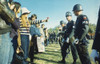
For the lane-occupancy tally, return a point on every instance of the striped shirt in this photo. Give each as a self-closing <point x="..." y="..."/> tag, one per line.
<point x="24" y="30"/>
<point x="36" y="22"/>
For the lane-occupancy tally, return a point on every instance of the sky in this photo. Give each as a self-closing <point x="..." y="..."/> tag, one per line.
<point x="56" y="9"/>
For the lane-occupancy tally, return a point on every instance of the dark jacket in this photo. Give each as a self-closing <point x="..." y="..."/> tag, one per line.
<point x="81" y="27"/>
<point x="96" y="43"/>
<point x="69" y="29"/>
<point x="15" y="25"/>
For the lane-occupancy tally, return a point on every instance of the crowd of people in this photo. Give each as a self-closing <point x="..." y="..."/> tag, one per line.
<point x="19" y="35"/>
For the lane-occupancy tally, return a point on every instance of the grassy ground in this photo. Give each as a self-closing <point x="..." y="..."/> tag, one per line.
<point x="53" y="55"/>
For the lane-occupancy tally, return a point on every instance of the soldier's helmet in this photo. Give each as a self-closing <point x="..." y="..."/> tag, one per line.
<point x="34" y="15"/>
<point x="62" y="22"/>
<point x="77" y="7"/>
<point x="68" y="14"/>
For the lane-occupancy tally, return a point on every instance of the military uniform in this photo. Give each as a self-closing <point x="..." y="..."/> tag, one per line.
<point x="61" y="35"/>
<point x="69" y="33"/>
<point x="81" y="29"/>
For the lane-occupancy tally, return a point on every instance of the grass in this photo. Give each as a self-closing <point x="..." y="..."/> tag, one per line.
<point x="53" y="55"/>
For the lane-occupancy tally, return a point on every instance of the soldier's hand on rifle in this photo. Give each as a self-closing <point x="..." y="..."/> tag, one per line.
<point x="76" y="41"/>
<point x="67" y="40"/>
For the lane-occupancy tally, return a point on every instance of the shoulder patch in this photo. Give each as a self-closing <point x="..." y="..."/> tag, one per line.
<point x="84" y="17"/>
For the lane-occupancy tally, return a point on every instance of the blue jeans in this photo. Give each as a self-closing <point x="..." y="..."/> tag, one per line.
<point x="14" y="42"/>
<point x="6" y="49"/>
<point x="25" y="46"/>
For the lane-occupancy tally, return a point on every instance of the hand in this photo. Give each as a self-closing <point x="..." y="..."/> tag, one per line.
<point x="47" y="19"/>
<point x="67" y="40"/>
<point x="94" y="54"/>
<point x="19" y="45"/>
<point x="17" y="50"/>
<point x="76" y="41"/>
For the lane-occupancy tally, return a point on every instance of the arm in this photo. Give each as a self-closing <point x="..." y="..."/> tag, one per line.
<point x="46" y="20"/>
<point x="41" y="21"/>
<point x="71" y="33"/>
<point x="19" y="39"/>
<point x="84" y="29"/>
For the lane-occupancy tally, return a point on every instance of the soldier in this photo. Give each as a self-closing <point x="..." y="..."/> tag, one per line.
<point x="68" y="39"/>
<point x="54" y="36"/>
<point x="81" y="29"/>
<point x="61" y="32"/>
<point x="96" y="43"/>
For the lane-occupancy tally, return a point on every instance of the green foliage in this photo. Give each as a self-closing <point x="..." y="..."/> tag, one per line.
<point x="92" y="28"/>
<point x="55" y="29"/>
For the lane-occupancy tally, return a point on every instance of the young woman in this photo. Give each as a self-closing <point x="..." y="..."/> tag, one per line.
<point x="24" y="33"/>
<point x="15" y="26"/>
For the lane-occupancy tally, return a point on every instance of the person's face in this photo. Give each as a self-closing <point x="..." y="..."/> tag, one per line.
<point x="69" y="18"/>
<point x="25" y="16"/>
<point x="77" y="13"/>
<point x="12" y="6"/>
<point x="33" y="18"/>
<point x="43" y="26"/>
<point x="62" y="25"/>
<point x="19" y="10"/>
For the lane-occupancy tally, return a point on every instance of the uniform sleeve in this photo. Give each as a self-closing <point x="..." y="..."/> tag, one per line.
<point x="85" y="28"/>
<point x="72" y="32"/>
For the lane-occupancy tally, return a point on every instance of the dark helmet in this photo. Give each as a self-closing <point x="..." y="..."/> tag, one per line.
<point x="68" y="14"/>
<point x="77" y="7"/>
<point x="62" y="22"/>
<point x="34" y="15"/>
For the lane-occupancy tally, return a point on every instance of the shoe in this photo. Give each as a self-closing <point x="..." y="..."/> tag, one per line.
<point x="62" y="61"/>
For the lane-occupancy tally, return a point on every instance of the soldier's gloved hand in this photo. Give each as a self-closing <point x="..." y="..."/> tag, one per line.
<point x="63" y="40"/>
<point x="76" y="41"/>
<point x="94" y="54"/>
<point x="67" y="40"/>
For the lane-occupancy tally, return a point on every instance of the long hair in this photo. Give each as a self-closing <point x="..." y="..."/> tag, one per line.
<point x="24" y="21"/>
